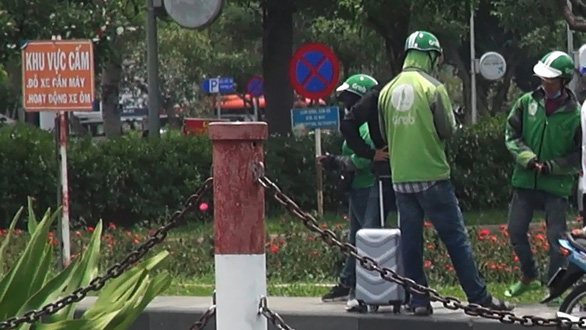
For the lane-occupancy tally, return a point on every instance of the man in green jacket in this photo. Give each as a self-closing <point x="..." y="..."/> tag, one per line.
<point x="544" y="136"/>
<point x="357" y="182"/>
<point x="417" y="118"/>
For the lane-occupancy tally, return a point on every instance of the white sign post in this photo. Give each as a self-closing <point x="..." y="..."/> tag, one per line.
<point x="58" y="76"/>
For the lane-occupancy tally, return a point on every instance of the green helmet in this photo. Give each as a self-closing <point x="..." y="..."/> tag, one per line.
<point x="555" y="64"/>
<point x="358" y="84"/>
<point x="423" y="41"/>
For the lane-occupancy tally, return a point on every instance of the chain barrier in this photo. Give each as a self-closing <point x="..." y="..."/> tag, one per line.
<point x="451" y="303"/>
<point x="206" y="317"/>
<point x="274" y="318"/>
<point x="176" y="220"/>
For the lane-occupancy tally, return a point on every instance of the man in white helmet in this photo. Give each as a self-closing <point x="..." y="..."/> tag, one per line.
<point x="543" y="135"/>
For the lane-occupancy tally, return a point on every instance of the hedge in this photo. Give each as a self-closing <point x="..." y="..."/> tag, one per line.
<point x="131" y="179"/>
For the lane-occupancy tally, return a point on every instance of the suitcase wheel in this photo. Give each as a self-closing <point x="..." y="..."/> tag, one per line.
<point x="372" y="308"/>
<point x="362" y="307"/>
<point x="397" y="308"/>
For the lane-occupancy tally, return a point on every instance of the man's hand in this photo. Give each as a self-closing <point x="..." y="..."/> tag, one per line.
<point x="327" y="161"/>
<point x="545" y="168"/>
<point x="381" y="154"/>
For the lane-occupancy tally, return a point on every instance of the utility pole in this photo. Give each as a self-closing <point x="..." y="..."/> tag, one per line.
<point x="154" y="104"/>
<point x="474" y="110"/>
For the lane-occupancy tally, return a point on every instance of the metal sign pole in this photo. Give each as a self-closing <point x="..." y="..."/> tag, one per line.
<point x="65" y="246"/>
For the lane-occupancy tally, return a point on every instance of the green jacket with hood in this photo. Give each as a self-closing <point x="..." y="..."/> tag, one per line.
<point x="417" y="117"/>
<point x="531" y="134"/>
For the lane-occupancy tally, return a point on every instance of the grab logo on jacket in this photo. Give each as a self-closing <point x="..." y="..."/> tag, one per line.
<point x="403" y="97"/>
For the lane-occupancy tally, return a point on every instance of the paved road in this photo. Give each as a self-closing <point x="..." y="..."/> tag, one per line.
<point x="312" y="314"/>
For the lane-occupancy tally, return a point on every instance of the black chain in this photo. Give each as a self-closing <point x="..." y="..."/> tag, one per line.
<point x="274" y="318"/>
<point x="176" y="220"/>
<point x="411" y="286"/>
<point x="206" y="317"/>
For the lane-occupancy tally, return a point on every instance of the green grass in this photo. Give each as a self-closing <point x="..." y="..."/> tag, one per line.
<point x="204" y="287"/>
<point x="276" y="225"/>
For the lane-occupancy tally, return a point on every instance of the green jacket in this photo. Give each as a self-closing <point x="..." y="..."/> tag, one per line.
<point x="417" y="117"/>
<point x="531" y="134"/>
<point x="363" y="176"/>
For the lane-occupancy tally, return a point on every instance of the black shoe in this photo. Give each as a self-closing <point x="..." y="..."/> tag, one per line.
<point x="337" y="293"/>
<point x="422" y="310"/>
<point x="497" y="304"/>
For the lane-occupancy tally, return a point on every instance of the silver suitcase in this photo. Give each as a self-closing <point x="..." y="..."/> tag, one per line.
<point x="383" y="245"/>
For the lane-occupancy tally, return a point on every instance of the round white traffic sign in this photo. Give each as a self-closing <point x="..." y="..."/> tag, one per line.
<point x="492" y="66"/>
<point x="194" y="14"/>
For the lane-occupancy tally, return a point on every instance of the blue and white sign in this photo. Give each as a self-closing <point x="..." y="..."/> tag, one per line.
<point x="312" y="118"/>
<point x="220" y="85"/>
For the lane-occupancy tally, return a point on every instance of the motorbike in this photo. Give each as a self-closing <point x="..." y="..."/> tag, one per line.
<point x="574" y="305"/>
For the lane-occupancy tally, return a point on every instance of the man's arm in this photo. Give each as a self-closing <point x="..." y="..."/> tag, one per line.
<point x="360" y="162"/>
<point x="570" y="163"/>
<point x="356" y="117"/>
<point x="514" y="141"/>
<point x="443" y="114"/>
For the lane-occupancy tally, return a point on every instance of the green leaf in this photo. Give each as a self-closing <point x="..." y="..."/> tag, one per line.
<point x="32" y="219"/>
<point x="83" y="274"/>
<point x="124" y="286"/>
<point x="42" y="271"/>
<point x="98" y="323"/>
<point x="52" y="289"/>
<point x="133" y="309"/>
<point x="16" y="285"/>
<point x="7" y="239"/>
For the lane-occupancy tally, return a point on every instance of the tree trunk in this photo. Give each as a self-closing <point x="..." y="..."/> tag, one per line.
<point x="392" y="24"/>
<point x="453" y="56"/>
<point x="503" y="89"/>
<point x="111" y="77"/>
<point x="277" y="52"/>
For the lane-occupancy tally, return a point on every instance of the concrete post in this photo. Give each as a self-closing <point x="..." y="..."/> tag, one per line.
<point x="239" y="224"/>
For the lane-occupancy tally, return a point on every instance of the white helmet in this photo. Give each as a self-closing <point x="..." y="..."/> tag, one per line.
<point x="582" y="56"/>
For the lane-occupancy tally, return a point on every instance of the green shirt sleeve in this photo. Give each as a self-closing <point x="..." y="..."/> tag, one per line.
<point x="359" y="162"/>
<point x="443" y="114"/>
<point x="514" y="135"/>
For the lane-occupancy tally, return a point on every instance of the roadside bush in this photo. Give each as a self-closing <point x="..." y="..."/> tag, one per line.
<point x="130" y="179"/>
<point x="481" y="164"/>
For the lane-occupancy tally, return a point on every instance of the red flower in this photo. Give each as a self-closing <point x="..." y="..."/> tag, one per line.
<point x="90" y="229"/>
<point x="427" y="264"/>
<point x="274" y="248"/>
<point x="540" y="237"/>
<point x="483" y="233"/>
<point x="315" y="252"/>
<point x="427" y="224"/>
<point x="493" y="238"/>
<point x="136" y="241"/>
<point x="112" y="225"/>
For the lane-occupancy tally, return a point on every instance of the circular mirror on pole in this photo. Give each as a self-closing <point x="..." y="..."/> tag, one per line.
<point x="194" y="14"/>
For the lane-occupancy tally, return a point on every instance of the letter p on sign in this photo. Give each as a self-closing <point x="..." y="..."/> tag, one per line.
<point x="214" y="85"/>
